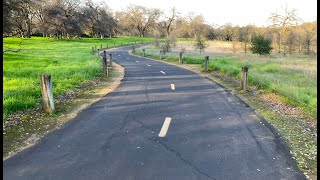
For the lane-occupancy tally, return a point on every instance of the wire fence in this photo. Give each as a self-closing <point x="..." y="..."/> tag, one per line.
<point x="281" y="92"/>
<point x="251" y="75"/>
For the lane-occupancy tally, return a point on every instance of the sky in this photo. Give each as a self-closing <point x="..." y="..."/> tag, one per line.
<point x="220" y="12"/>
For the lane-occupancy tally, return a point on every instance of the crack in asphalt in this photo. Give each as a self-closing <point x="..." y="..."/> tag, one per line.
<point x="177" y="154"/>
<point x="116" y="133"/>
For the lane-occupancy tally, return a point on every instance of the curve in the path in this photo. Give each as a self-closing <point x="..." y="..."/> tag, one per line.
<point x="207" y="134"/>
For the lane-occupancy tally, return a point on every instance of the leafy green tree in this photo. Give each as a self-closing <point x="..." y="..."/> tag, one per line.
<point x="200" y="43"/>
<point x="261" y="45"/>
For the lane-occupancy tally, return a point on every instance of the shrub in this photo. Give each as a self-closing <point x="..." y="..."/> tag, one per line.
<point x="261" y="46"/>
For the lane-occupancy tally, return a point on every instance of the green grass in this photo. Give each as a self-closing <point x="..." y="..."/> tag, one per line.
<point x="294" y="79"/>
<point x="67" y="60"/>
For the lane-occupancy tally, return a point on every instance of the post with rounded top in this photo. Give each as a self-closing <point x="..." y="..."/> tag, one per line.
<point x="206" y="63"/>
<point x="243" y="83"/>
<point x="160" y="54"/>
<point x="144" y="52"/>
<point x="47" y="95"/>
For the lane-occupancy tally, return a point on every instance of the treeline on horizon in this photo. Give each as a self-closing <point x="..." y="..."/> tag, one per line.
<point x="83" y="18"/>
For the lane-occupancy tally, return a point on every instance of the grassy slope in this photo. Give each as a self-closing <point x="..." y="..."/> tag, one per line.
<point x="68" y="61"/>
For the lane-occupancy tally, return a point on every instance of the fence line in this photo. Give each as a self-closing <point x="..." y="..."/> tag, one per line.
<point x="289" y="96"/>
<point x="259" y="81"/>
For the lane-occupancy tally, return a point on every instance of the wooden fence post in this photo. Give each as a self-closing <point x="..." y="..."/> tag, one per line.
<point x="133" y="49"/>
<point x="107" y="46"/>
<point x="92" y="50"/>
<point x="114" y="44"/>
<point x="98" y="52"/>
<point x="243" y="83"/>
<point x="47" y="95"/>
<point x="101" y="46"/>
<point x="104" y="62"/>
<point x="160" y="54"/>
<point x="206" y="63"/>
<point x="180" y="58"/>
<point x="95" y="48"/>
<point x="110" y="56"/>
<point x="144" y="52"/>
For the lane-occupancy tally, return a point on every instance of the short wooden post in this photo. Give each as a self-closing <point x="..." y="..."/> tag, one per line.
<point x="144" y="52"/>
<point x="110" y="57"/>
<point x="47" y="95"/>
<point x="92" y="50"/>
<point x="160" y="54"/>
<point x="95" y="48"/>
<point x="98" y="52"/>
<point x="133" y="49"/>
<point x="104" y="62"/>
<point x="107" y="46"/>
<point x="121" y="43"/>
<point x="180" y="58"/>
<point x="114" y="44"/>
<point x="142" y="42"/>
<point x="135" y="42"/>
<point x="243" y="83"/>
<point x="206" y="63"/>
<point x="100" y="46"/>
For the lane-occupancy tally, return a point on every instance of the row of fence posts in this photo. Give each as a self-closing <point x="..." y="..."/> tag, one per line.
<point x="46" y="82"/>
<point x="47" y="90"/>
<point x="94" y="49"/>
<point x="244" y="69"/>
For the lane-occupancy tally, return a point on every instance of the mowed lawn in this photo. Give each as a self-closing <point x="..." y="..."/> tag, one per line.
<point x="68" y="61"/>
<point x="293" y="77"/>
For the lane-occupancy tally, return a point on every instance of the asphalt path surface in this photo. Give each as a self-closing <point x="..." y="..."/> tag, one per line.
<point x="206" y="133"/>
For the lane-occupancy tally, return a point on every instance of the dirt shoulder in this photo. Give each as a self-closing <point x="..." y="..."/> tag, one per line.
<point x="24" y="129"/>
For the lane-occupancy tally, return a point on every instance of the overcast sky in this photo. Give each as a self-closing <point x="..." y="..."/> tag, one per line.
<point x="219" y="12"/>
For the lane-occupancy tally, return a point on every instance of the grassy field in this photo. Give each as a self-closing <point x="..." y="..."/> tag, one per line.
<point x="67" y="60"/>
<point x="294" y="78"/>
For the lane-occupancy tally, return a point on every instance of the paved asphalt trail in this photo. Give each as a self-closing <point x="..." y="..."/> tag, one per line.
<point x="212" y="135"/>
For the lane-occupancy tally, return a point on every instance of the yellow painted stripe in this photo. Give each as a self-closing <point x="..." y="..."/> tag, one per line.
<point x="172" y="87"/>
<point x="165" y="127"/>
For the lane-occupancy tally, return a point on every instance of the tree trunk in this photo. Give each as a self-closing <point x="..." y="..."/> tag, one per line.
<point x="245" y="47"/>
<point x="279" y="43"/>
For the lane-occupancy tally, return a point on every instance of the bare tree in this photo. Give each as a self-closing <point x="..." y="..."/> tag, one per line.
<point x="196" y="25"/>
<point x="170" y="20"/>
<point x="283" y="21"/>
<point x="141" y="18"/>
